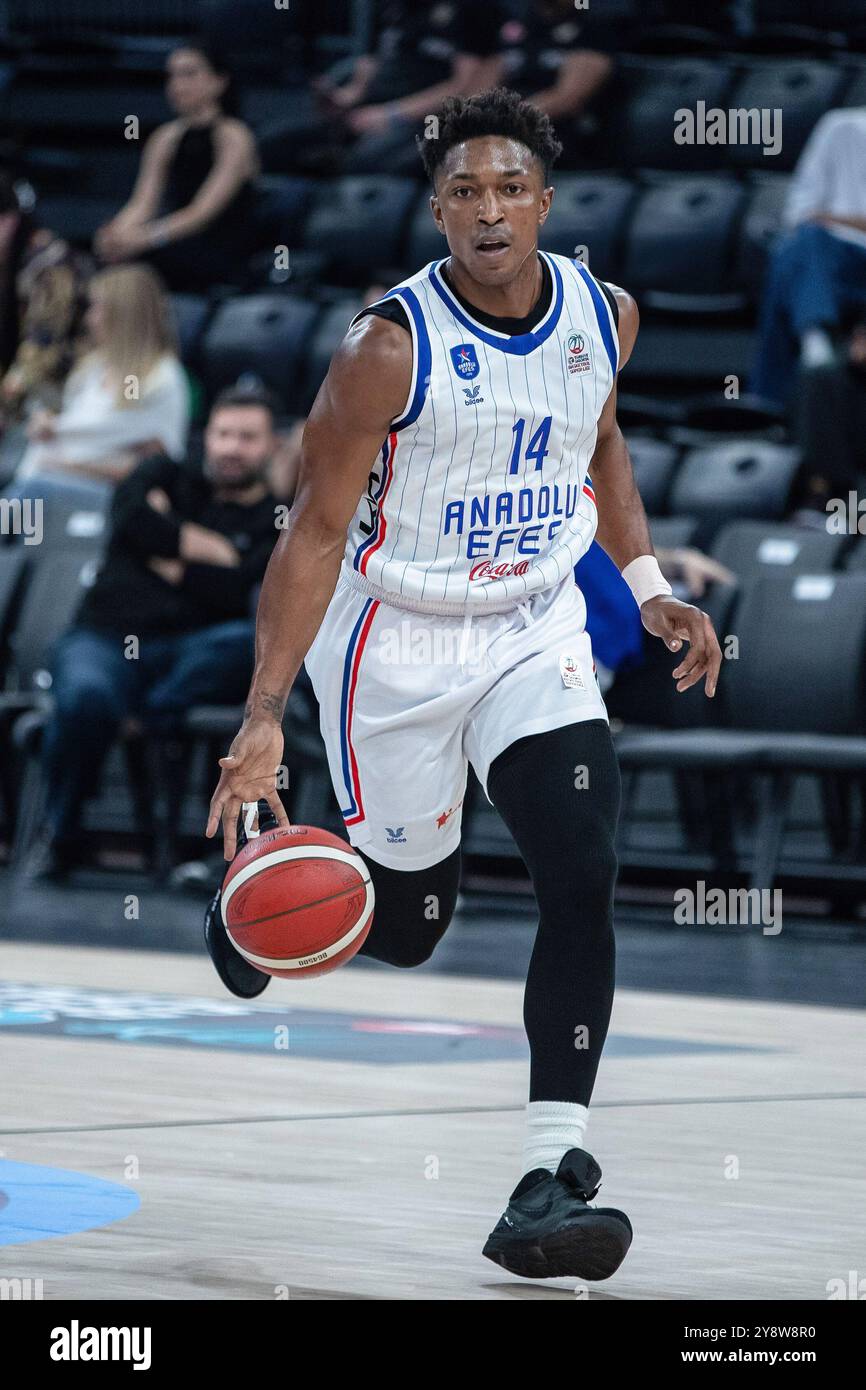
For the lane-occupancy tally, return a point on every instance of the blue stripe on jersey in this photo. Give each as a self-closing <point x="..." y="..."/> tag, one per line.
<point x="602" y="313"/>
<point x="519" y="344"/>
<point x="352" y="808"/>
<point x="423" y="364"/>
<point x="421" y="368"/>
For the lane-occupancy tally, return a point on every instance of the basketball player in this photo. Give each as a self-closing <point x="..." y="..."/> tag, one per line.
<point x="460" y="456"/>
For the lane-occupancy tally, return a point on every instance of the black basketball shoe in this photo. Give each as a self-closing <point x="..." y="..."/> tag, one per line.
<point x="237" y="974"/>
<point x="550" y="1230"/>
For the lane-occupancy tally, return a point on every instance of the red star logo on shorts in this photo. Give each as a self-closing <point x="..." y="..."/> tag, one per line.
<point x="446" y="815"/>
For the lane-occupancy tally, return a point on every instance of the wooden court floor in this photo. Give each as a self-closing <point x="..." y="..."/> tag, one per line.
<point x="357" y="1136"/>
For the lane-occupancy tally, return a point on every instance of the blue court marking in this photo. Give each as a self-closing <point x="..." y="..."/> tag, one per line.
<point x="42" y="1203"/>
<point x="188" y="1021"/>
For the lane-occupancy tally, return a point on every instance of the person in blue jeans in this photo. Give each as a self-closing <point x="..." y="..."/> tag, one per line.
<point x="814" y="278"/>
<point x="168" y="623"/>
<point x="817" y="269"/>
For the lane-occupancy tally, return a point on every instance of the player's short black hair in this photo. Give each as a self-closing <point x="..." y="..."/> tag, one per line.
<point x="498" y="111"/>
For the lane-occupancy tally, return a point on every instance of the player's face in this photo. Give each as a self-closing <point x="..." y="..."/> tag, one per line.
<point x="490" y="201"/>
<point x="238" y="441"/>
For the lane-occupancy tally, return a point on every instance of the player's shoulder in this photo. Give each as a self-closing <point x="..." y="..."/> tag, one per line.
<point x="373" y="359"/>
<point x="627" y="320"/>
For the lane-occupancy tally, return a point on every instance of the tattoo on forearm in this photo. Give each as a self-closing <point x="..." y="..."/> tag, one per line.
<point x="266" y="703"/>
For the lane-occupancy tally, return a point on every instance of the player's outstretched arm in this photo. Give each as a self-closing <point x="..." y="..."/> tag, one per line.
<point x="365" y="389"/>
<point x="624" y="533"/>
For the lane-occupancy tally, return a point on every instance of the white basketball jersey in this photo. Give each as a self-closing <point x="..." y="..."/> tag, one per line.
<point x="480" y="494"/>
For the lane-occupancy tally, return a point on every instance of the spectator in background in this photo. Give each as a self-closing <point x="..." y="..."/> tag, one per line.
<point x="42" y="283"/>
<point x="128" y="395"/>
<point x="192" y="213"/>
<point x="817" y="269"/>
<point x="423" y="51"/>
<point x="556" y="56"/>
<point x="830" y="425"/>
<point x="185" y="553"/>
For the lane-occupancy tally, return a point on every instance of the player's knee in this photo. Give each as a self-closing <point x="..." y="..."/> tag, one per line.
<point x="580" y="877"/>
<point x="413" y="908"/>
<point x="402" y="948"/>
<point x="414" y="951"/>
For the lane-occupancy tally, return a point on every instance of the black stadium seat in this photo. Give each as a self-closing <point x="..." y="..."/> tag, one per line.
<point x="50" y="601"/>
<point x="855" y="560"/>
<point x="423" y="241"/>
<point x="739" y="478"/>
<point x="104" y="172"/>
<point x="834" y="14"/>
<point x="654" y="462"/>
<point x="359" y="223"/>
<point x="812" y="628"/>
<point x="328" y="333"/>
<point x="686" y="352"/>
<point x="75" y="216"/>
<point x="639" y="131"/>
<point x="267" y="335"/>
<point x="35" y="102"/>
<point x="802" y="89"/>
<point x="855" y="94"/>
<point x="761" y="223"/>
<point x="589" y="210"/>
<point x="284" y="200"/>
<point x="755" y="548"/>
<point x="671" y="532"/>
<point x="190" y="313"/>
<point x="682" y="238"/>
<point x="71" y="513"/>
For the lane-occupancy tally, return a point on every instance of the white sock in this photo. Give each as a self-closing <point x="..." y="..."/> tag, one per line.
<point x="815" y="348"/>
<point x="552" y="1128"/>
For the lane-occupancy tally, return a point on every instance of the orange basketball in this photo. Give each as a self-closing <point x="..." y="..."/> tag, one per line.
<point x="297" y="901"/>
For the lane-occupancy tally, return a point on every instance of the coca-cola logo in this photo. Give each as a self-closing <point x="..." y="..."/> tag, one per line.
<point x="487" y="570"/>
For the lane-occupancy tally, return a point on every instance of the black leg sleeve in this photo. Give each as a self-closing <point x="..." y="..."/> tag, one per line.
<point x="412" y="910"/>
<point x="559" y="795"/>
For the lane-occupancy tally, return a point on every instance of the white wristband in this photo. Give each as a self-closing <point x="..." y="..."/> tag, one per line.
<point x="645" y="579"/>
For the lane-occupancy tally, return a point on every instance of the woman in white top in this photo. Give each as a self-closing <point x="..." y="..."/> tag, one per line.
<point x="128" y="396"/>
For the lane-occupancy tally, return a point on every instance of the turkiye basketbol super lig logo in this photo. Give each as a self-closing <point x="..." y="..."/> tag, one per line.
<point x="465" y="360"/>
<point x="577" y="353"/>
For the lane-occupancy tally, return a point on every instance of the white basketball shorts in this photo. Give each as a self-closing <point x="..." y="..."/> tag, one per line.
<point x="408" y="700"/>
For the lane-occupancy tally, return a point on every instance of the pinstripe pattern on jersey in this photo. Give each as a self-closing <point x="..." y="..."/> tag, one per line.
<point x="493" y="466"/>
<point x="354" y="812"/>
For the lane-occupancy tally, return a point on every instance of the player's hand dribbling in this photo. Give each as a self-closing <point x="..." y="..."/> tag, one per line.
<point x="249" y="772"/>
<point x="676" y="622"/>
